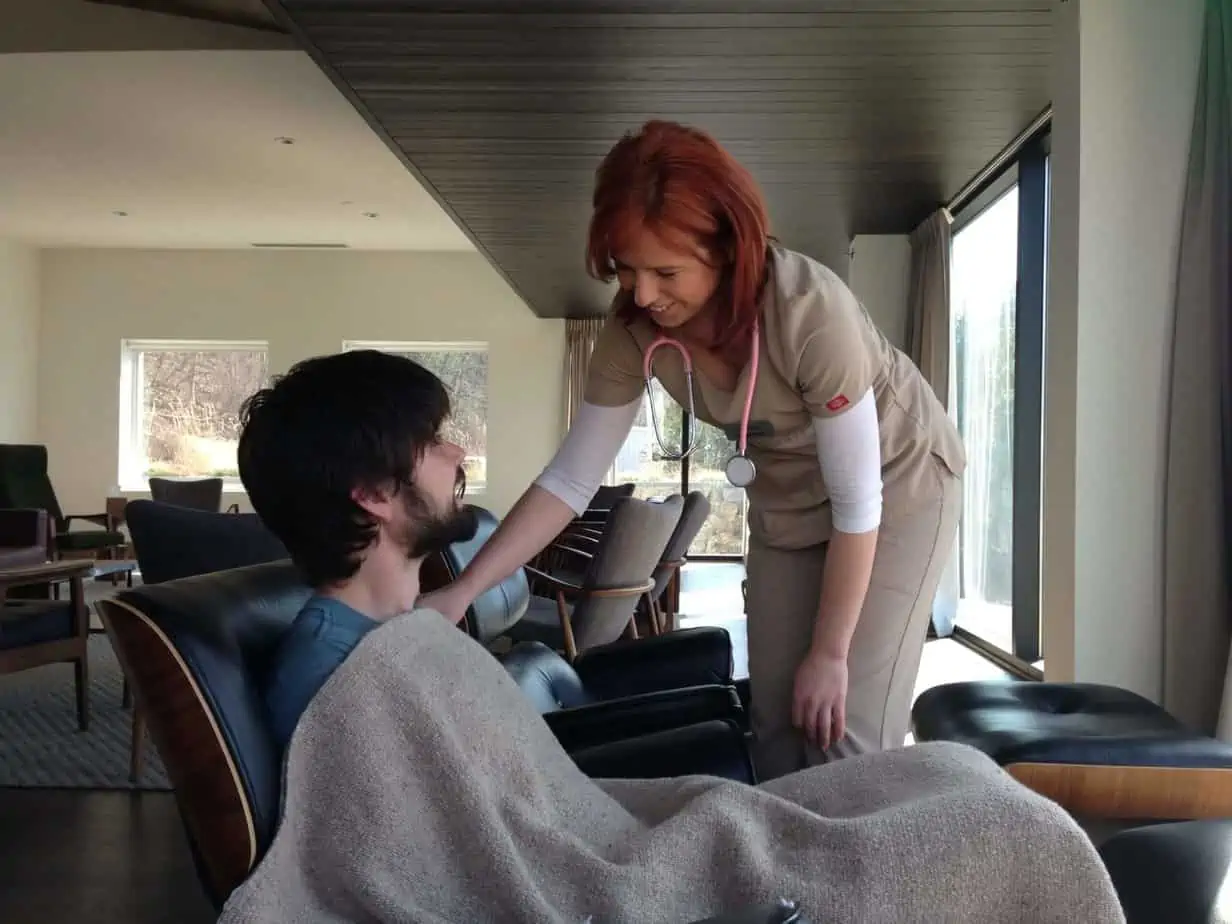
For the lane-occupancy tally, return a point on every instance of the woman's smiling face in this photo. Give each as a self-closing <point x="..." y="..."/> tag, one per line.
<point x="672" y="286"/>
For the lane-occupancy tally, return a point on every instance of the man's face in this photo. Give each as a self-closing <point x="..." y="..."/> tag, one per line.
<point x="433" y="516"/>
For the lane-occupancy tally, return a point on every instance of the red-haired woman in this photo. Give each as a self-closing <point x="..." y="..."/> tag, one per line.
<point x="856" y="493"/>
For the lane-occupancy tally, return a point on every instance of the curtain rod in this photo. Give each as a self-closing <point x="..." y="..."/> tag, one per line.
<point x="998" y="163"/>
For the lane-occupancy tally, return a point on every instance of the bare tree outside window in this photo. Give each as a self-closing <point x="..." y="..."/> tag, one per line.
<point x="189" y="403"/>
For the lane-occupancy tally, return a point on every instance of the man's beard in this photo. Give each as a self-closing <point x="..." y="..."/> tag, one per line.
<point x="429" y="531"/>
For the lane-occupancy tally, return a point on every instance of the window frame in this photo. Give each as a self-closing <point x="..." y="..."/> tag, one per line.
<point x="440" y="346"/>
<point x="131" y="432"/>
<point x="1029" y="170"/>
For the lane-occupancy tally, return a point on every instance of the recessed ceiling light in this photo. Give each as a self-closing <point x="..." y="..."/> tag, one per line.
<point x="372" y="214"/>
<point x="119" y="213"/>
<point x="283" y="139"/>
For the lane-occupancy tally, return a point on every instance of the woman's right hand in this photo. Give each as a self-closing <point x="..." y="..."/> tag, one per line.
<point x="451" y="601"/>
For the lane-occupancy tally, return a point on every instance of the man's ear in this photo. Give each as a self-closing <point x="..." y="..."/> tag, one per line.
<point x="375" y="500"/>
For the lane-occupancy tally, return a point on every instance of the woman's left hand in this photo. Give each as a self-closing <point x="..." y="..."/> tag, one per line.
<point x="819" y="705"/>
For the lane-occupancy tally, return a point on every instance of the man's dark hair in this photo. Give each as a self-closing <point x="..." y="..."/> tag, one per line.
<point x="358" y="419"/>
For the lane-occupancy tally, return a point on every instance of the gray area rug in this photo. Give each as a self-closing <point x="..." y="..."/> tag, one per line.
<point x="40" y="746"/>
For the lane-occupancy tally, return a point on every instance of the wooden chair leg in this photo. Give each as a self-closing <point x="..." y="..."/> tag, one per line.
<point x="81" y="679"/>
<point x="652" y="616"/>
<point x="136" y="747"/>
<point x="126" y="695"/>
<point x="566" y="625"/>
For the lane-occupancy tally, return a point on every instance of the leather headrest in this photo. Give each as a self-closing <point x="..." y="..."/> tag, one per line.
<point x="498" y="608"/>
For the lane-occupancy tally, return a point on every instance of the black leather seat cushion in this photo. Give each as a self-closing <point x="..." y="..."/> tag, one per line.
<point x="1079" y="723"/>
<point x="714" y="748"/>
<point x="33" y="622"/>
<point x="685" y="657"/>
<point x="700" y="656"/>
<point x="1171" y="873"/>
<point x="580" y="716"/>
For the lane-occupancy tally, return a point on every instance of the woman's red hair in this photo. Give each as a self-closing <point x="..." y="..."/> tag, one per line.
<point x="679" y="184"/>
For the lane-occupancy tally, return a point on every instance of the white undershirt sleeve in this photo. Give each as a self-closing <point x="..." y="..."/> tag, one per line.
<point x="849" y="450"/>
<point x="589" y="448"/>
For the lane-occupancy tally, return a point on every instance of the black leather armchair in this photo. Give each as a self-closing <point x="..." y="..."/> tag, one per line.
<point x="694" y="657"/>
<point x="584" y="709"/>
<point x="610" y="692"/>
<point x="24" y="483"/>
<point x="195" y="650"/>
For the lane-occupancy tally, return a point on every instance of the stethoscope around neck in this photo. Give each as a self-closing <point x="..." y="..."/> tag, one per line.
<point x="740" y="469"/>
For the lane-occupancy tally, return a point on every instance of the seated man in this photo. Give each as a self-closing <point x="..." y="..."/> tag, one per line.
<point x="420" y="784"/>
<point x="360" y="489"/>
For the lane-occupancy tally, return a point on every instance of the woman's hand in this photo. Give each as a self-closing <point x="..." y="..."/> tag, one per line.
<point x="451" y="601"/>
<point x="819" y="705"/>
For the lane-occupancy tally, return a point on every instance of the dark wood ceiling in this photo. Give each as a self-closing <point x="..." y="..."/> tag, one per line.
<point x="856" y="116"/>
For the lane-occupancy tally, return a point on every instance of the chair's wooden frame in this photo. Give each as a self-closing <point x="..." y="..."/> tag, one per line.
<point x="1130" y="793"/>
<point x="212" y="801"/>
<point x="658" y="618"/>
<point x="562" y="590"/>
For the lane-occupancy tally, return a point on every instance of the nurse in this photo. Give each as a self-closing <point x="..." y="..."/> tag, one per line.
<point x="856" y="495"/>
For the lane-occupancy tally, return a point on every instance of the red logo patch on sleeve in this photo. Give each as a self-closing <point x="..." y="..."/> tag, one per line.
<point x="837" y="403"/>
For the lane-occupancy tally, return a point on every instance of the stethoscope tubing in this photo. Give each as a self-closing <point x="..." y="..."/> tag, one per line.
<point x="742" y="443"/>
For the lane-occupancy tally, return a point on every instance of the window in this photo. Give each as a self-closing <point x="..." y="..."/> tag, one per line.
<point x="179" y="407"/>
<point x="983" y="290"/>
<point x="640" y="461"/>
<point x="463" y="368"/>
<point x="997" y="287"/>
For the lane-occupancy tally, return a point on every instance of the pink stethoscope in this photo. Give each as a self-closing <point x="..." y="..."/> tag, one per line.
<point x="740" y="469"/>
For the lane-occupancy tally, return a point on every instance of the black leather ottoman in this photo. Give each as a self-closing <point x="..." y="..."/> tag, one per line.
<point x="1172" y="873"/>
<point x="1100" y="751"/>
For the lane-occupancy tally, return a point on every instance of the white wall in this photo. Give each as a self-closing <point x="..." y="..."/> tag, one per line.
<point x="19" y="343"/>
<point x="881" y="278"/>
<point x="1124" y="85"/>
<point x="303" y="304"/>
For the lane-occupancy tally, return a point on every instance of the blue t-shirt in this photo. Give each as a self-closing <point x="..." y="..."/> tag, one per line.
<point x="323" y="634"/>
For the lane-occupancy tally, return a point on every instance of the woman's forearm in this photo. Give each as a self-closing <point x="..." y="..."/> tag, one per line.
<point x="574" y="475"/>
<point x="535" y="520"/>
<point x="844" y="584"/>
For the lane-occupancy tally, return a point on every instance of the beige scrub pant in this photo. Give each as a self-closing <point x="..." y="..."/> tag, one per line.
<point x="784" y="587"/>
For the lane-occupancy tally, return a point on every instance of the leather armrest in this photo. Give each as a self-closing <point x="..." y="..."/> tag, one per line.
<point x="715" y="748"/>
<point x="24" y="527"/>
<point x="104" y="520"/>
<point x="685" y="658"/>
<point x="630" y="716"/>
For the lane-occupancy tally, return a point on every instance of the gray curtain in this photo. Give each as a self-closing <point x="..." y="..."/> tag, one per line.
<point x="928" y="308"/>
<point x="1198" y="486"/>
<point x="928" y="345"/>
<point x="580" y="337"/>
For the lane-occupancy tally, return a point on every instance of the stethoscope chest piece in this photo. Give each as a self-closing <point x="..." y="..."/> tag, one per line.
<point x="740" y="471"/>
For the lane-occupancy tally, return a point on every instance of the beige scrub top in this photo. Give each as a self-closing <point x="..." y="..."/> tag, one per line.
<point x="820" y="352"/>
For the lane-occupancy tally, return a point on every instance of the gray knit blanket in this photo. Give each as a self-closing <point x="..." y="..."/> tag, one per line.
<point x="420" y="786"/>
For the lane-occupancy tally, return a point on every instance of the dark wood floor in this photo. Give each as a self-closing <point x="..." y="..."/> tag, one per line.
<point x="96" y="858"/>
